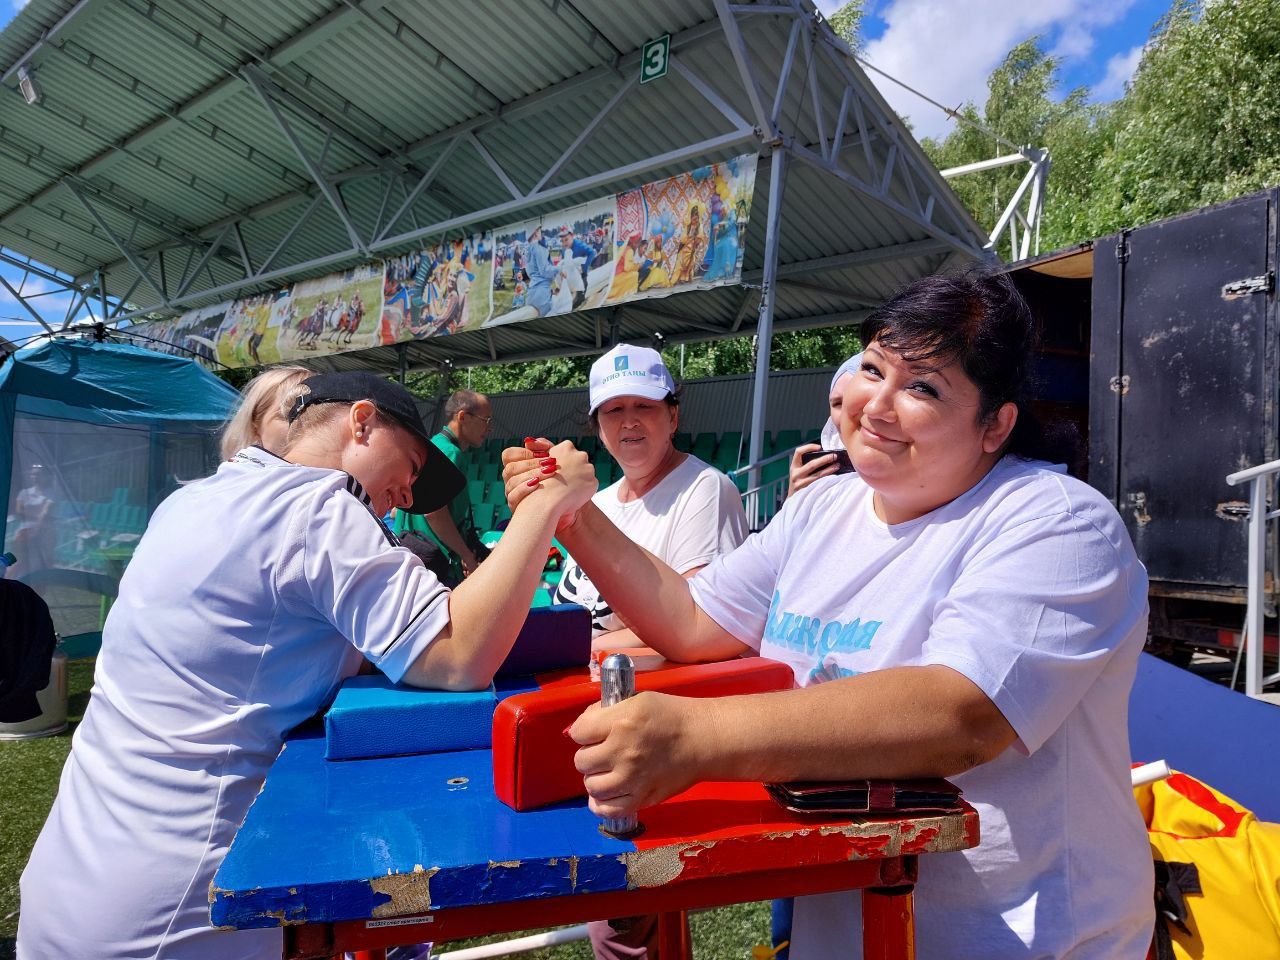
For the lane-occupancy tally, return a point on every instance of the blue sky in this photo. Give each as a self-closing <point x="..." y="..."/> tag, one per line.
<point x="948" y="48"/>
<point x="944" y="48"/>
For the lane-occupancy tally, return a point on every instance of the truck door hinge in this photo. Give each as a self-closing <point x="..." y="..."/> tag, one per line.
<point x="1120" y="384"/>
<point x="1249" y="285"/>
<point x="1122" y="248"/>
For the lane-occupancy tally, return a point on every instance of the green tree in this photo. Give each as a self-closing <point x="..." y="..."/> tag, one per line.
<point x="1200" y="122"/>
<point x="1022" y="109"/>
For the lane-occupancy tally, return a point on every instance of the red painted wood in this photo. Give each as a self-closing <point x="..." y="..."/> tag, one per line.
<point x="674" y="942"/>
<point x="888" y="925"/>
<point x="532" y="756"/>
<point x="463" y="922"/>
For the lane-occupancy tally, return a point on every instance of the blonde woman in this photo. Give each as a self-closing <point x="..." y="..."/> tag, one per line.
<point x="260" y="419"/>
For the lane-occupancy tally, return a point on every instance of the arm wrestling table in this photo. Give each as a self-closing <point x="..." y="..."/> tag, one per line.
<point x="368" y="854"/>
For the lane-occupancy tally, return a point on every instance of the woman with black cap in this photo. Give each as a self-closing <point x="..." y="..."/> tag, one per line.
<point x="253" y="594"/>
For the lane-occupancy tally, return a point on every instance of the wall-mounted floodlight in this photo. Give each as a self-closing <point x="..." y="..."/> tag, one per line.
<point x="31" y="91"/>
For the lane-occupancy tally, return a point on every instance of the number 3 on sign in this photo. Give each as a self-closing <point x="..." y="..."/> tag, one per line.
<point x="655" y="58"/>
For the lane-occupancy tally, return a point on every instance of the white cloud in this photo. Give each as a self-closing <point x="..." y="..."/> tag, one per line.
<point x="1120" y="70"/>
<point x="947" y="50"/>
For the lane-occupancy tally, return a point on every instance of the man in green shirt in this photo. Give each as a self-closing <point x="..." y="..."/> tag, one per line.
<point x="468" y="417"/>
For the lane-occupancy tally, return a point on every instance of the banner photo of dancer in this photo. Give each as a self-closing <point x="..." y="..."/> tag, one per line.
<point x="556" y="264"/>
<point x="437" y="290"/>
<point x="683" y="233"/>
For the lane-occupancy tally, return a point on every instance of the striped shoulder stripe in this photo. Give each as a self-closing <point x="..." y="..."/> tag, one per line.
<point x="356" y="490"/>
<point x="390" y="645"/>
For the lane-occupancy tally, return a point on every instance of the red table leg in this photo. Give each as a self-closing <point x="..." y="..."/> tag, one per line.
<point x="674" y="942"/>
<point x="888" y="924"/>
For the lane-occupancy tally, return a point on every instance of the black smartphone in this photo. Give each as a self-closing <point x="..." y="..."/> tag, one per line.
<point x="845" y="465"/>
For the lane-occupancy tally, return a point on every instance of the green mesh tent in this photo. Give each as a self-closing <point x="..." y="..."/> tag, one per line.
<point x="92" y="437"/>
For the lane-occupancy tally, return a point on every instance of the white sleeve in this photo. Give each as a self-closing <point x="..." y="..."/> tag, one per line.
<point x="1036" y="615"/>
<point x="711" y="522"/>
<point x="736" y="589"/>
<point x="376" y="594"/>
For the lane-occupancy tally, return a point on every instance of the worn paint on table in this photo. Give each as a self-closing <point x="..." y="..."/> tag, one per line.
<point x="395" y="836"/>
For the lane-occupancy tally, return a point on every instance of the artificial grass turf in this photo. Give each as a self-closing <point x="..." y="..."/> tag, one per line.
<point x="29" y="772"/>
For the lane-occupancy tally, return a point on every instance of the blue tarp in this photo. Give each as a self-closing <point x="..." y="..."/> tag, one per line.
<point x="92" y="437"/>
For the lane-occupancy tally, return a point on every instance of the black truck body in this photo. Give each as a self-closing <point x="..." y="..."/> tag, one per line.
<point x="1160" y="344"/>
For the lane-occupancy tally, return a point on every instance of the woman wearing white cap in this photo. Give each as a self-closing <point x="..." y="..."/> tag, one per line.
<point x="680" y="509"/>
<point x="252" y="595"/>
<point x="674" y="505"/>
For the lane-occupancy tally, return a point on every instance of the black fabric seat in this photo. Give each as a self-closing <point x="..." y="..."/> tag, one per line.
<point x="27" y="641"/>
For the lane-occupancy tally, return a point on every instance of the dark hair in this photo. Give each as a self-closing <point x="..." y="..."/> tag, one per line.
<point x="459" y="402"/>
<point x="979" y="320"/>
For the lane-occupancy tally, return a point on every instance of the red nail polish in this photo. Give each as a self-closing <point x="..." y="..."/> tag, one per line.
<point x="528" y="440"/>
<point x="567" y="733"/>
<point x="534" y="482"/>
<point x="548" y="470"/>
<point x="549" y="462"/>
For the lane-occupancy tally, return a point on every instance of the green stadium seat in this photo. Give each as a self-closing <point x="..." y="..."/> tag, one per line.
<point x="813" y="436"/>
<point x="482" y="516"/>
<point x="541" y="598"/>
<point x="683" y="441"/>
<point x="727" y="448"/>
<point x="785" y="440"/>
<point x="491" y="472"/>
<point x="503" y="513"/>
<point x="473" y="470"/>
<point x="475" y="490"/>
<point x="704" y="446"/>
<point x="589" y="444"/>
<point x="497" y="494"/>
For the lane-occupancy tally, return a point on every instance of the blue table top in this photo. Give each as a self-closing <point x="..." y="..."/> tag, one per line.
<point x="328" y="841"/>
<point x="334" y="840"/>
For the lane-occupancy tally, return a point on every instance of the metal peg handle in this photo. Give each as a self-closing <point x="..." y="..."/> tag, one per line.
<point x="618" y="683"/>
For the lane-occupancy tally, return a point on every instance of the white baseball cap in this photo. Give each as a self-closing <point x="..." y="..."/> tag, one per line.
<point x="627" y="371"/>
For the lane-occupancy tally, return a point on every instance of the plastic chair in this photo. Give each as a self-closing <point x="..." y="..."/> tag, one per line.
<point x="482" y="516"/>
<point x="475" y="491"/>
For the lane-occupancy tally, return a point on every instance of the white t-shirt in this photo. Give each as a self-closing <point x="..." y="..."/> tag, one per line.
<point x="251" y="597"/>
<point x="692" y="516"/>
<point x="1028" y="585"/>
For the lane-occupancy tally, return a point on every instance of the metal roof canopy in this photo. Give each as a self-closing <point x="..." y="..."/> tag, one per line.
<point x="185" y="152"/>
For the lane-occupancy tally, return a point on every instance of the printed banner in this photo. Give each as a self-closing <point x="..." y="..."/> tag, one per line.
<point x="682" y="233"/>
<point x="556" y="264"/>
<point x="437" y="290"/>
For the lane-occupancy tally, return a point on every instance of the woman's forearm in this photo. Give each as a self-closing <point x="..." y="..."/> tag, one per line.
<point x="650" y="597"/>
<point x="897" y="723"/>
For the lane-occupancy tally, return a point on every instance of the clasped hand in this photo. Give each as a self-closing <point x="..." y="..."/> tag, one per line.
<point x="561" y="474"/>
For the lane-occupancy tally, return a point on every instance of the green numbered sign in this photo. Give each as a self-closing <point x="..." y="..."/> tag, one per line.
<point x="655" y="58"/>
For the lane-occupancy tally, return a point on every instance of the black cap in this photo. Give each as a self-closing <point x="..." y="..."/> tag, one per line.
<point x="439" y="481"/>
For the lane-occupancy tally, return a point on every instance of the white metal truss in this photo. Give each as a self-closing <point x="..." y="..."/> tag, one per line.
<point x="1032" y="189"/>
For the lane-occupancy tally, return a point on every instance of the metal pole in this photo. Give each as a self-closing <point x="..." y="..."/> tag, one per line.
<point x="618" y="683"/>
<point x="1257" y="564"/>
<point x="764" y="326"/>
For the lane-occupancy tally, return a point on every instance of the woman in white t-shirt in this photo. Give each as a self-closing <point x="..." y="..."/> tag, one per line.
<point x="680" y="509"/>
<point x="958" y="607"/>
